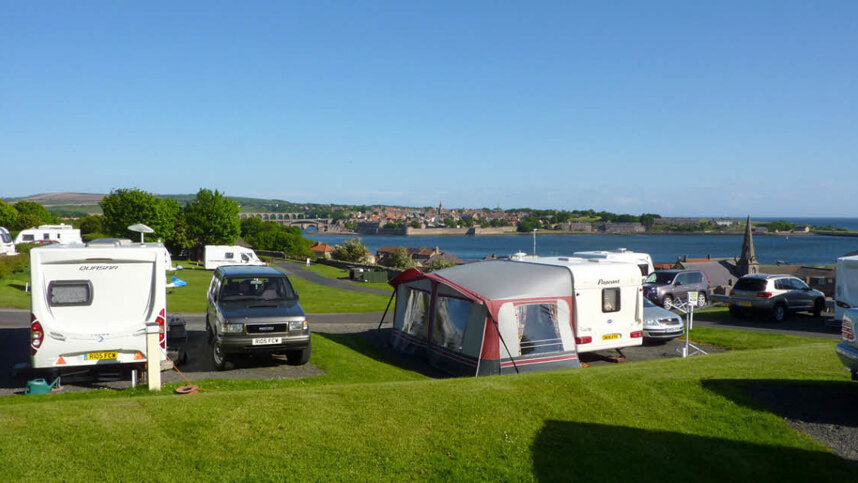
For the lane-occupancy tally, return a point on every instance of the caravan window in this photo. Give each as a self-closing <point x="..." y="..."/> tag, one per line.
<point x="244" y="257"/>
<point x="611" y="299"/>
<point x="29" y="238"/>
<point x="537" y="328"/>
<point x="228" y="255"/>
<point x="417" y="313"/>
<point x="70" y="292"/>
<point x="6" y="238"/>
<point x="46" y="236"/>
<point x="451" y="319"/>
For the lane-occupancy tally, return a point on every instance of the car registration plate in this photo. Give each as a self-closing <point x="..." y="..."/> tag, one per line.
<point x="101" y="356"/>
<point x="744" y="304"/>
<point x="610" y="336"/>
<point x="267" y="340"/>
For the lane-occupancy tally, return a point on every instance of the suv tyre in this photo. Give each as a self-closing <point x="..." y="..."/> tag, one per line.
<point x="218" y="357"/>
<point x="668" y="302"/>
<point x="779" y="312"/>
<point x="299" y="357"/>
<point x="818" y="307"/>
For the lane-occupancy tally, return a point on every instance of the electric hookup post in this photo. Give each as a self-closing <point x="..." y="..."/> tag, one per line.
<point x="153" y="356"/>
<point x="687" y="308"/>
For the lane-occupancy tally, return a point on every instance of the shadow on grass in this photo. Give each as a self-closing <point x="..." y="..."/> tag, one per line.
<point x="819" y="402"/>
<point x="20" y="286"/>
<point x="375" y="345"/>
<point x="570" y="451"/>
<point x="798" y="322"/>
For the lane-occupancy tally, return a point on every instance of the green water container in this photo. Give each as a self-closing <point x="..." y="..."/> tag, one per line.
<point x="39" y="386"/>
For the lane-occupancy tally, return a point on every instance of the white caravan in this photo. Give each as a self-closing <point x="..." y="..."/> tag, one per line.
<point x="220" y="255"/>
<point x="846" y="286"/>
<point x="642" y="260"/>
<point x="90" y="304"/>
<point x="62" y="234"/>
<point x="607" y="302"/>
<point x="6" y="245"/>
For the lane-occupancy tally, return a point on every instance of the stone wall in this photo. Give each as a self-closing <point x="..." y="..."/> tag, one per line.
<point x="435" y="231"/>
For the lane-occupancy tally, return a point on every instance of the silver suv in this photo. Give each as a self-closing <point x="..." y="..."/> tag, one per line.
<point x="254" y="310"/>
<point x="777" y="295"/>
<point x="668" y="287"/>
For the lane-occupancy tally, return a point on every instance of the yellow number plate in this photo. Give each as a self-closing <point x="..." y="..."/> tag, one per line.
<point x="745" y="304"/>
<point x="610" y="336"/>
<point x="100" y="356"/>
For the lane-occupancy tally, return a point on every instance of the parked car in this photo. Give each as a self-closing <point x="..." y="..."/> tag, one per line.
<point x="667" y="287"/>
<point x="776" y="295"/>
<point x="255" y="310"/>
<point x="848" y="349"/>
<point x="660" y="324"/>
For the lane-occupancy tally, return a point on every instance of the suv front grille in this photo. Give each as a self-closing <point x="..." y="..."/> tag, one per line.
<point x="266" y="328"/>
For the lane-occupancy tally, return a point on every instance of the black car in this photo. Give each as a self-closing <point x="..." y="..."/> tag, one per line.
<point x="255" y="310"/>
<point x="668" y="287"/>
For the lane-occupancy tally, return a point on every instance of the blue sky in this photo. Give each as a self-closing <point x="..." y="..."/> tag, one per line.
<point x="678" y="108"/>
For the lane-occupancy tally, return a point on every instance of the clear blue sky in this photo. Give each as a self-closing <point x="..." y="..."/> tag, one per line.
<point x="678" y="108"/>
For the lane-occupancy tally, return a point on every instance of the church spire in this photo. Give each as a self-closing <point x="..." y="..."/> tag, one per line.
<point x="748" y="260"/>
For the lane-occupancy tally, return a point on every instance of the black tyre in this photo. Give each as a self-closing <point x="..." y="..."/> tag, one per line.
<point x="779" y="313"/>
<point x="818" y="307"/>
<point x="667" y="303"/>
<point x="218" y="356"/>
<point x="299" y="357"/>
<point x="854" y="376"/>
<point x="209" y="331"/>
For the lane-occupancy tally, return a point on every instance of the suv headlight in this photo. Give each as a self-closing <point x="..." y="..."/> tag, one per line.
<point x="234" y="328"/>
<point x="298" y="325"/>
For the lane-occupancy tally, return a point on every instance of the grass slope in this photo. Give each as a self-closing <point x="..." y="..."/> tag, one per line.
<point x="654" y="420"/>
<point x="341" y="274"/>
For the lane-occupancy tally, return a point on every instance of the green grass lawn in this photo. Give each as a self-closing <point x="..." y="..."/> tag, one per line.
<point x="341" y="274"/>
<point x="12" y="292"/>
<point x="656" y="420"/>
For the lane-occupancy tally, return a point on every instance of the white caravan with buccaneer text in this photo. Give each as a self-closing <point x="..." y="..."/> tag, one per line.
<point x="90" y="304"/>
<point x="607" y="301"/>
<point x="62" y="234"/>
<point x="642" y="260"/>
<point x="220" y="255"/>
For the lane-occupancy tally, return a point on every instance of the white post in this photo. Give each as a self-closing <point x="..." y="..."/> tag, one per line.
<point x="153" y="357"/>
<point x="534" y="241"/>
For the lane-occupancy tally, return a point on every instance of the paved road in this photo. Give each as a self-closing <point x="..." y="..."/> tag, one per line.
<point x="293" y="269"/>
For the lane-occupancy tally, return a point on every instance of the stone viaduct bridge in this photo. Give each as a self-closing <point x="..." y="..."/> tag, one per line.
<point x="293" y="219"/>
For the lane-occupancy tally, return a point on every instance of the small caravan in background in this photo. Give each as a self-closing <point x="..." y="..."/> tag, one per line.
<point x="846" y="285"/>
<point x="90" y="304"/>
<point x="642" y="260"/>
<point x="220" y="255"/>
<point x="6" y="245"/>
<point x="62" y="234"/>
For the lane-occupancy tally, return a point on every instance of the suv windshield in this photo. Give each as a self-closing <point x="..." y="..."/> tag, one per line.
<point x="660" y="278"/>
<point x="238" y="289"/>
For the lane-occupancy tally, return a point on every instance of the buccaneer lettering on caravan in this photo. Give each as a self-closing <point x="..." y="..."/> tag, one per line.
<point x="90" y="304"/>
<point x="607" y="302"/>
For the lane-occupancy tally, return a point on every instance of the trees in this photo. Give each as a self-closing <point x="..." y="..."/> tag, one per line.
<point x="36" y="211"/>
<point x="92" y="224"/>
<point x="268" y="235"/>
<point x="8" y="215"/>
<point x="125" y="207"/>
<point x="351" y="250"/>
<point x="401" y="260"/>
<point x="212" y="219"/>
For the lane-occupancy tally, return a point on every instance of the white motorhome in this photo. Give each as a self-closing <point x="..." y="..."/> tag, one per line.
<point x="642" y="260"/>
<point x="607" y="302"/>
<point x="90" y="304"/>
<point x="6" y="245"/>
<point x="846" y="285"/>
<point x="62" y="234"/>
<point x="220" y="255"/>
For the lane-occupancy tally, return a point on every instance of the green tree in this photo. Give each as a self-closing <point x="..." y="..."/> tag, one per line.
<point x="351" y="250"/>
<point x="438" y="263"/>
<point x="91" y="224"/>
<point x="27" y="220"/>
<point x="36" y="210"/>
<point x="125" y="207"/>
<point x="415" y="224"/>
<point x="401" y="260"/>
<point x="212" y="219"/>
<point x="8" y="215"/>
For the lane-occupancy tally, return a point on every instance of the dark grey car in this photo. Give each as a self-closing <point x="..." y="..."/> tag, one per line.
<point x="778" y="295"/>
<point x="667" y="287"/>
<point x="253" y="310"/>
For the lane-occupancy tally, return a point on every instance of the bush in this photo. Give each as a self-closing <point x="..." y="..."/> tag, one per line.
<point x="25" y="248"/>
<point x="351" y="250"/>
<point x="15" y="264"/>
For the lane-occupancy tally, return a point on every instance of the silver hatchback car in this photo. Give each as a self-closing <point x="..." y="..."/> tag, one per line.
<point x="777" y="295"/>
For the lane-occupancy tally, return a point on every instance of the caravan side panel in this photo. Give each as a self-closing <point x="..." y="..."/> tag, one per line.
<point x="846" y="286"/>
